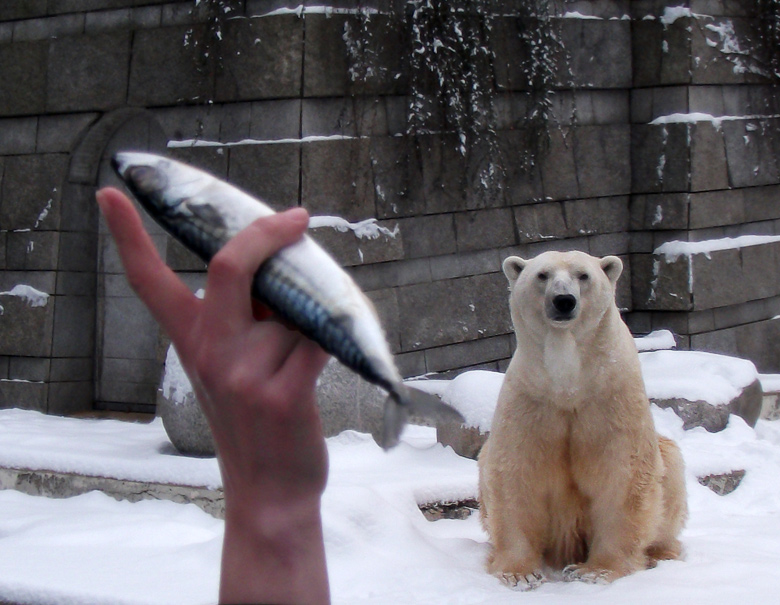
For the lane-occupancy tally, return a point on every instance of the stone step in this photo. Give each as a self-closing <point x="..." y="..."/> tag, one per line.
<point x="52" y="484"/>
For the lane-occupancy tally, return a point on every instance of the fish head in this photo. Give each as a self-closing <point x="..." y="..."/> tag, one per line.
<point x="156" y="182"/>
<point x="176" y="196"/>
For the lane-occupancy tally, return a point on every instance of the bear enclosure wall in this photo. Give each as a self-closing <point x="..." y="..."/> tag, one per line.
<point x="657" y="129"/>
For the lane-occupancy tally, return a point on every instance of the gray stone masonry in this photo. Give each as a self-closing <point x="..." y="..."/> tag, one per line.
<point x="603" y="66"/>
<point x="706" y="280"/>
<point x="267" y="70"/>
<point x="87" y="72"/>
<point x="326" y="71"/>
<point x="23" y="66"/>
<point x="757" y="340"/>
<point x="177" y="79"/>
<point x="351" y="250"/>
<point x="702" y="180"/>
<point x="24" y="394"/>
<point x="26" y="330"/>
<point x="476" y="307"/>
<point x="84" y="78"/>
<point x="272" y="172"/>
<point x="770" y="409"/>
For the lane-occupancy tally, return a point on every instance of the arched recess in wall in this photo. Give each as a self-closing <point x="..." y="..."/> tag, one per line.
<point x="102" y="334"/>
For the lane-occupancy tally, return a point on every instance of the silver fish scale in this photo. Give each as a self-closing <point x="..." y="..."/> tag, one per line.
<point x="197" y="236"/>
<point x="274" y="287"/>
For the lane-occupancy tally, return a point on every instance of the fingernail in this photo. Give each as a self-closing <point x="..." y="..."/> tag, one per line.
<point x="299" y="214"/>
<point x="102" y="202"/>
<point x="100" y="197"/>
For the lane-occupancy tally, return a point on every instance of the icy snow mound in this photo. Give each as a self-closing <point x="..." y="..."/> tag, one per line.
<point x="696" y="376"/>
<point x="658" y="339"/>
<point x="474" y="394"/>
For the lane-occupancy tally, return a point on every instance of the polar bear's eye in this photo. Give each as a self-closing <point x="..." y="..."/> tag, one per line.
<point x="584" y="277"/>
<point x="542" y="276"/>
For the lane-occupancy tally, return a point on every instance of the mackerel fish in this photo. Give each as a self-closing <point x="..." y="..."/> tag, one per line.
<point x="302" y="284"/>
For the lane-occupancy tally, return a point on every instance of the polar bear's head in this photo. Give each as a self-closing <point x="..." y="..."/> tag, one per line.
<point x="561" y="290"/>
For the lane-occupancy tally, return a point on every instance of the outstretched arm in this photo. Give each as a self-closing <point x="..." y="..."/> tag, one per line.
<point x="255" y="381"/>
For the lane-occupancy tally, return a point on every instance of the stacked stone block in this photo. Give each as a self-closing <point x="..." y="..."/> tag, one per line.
<point x="41" y="345"/>
<point x="703" y="169"/>
<point x="274" y="108"/>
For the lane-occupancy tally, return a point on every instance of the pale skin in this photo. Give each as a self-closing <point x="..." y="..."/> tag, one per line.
<point x="255" y="381"/>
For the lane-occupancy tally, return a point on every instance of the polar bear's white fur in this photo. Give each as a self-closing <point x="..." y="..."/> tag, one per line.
<point x="574" y="476"/>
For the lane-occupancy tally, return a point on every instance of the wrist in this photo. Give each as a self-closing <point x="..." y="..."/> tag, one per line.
<point x="273" y="517"/>
<point x="273" y="552"/>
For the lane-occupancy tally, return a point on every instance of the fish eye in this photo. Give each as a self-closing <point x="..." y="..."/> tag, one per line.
<point x="147" y="179"/>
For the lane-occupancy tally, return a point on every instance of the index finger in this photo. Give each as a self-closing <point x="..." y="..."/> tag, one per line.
<point x="164" y="294"/>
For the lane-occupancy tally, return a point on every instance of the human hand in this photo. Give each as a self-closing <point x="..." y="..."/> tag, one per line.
<point x="255" y="381"/>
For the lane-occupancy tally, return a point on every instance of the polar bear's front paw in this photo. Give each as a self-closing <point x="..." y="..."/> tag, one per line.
<point x="522" y="581"/>
<point x="584" y="573"/>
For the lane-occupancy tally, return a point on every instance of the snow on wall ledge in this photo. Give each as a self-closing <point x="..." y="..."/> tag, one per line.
<point x="32" y="296"/>
<point x="186" y="143"/>
<point x="675" y="249"/>
<point x="695" y="117"/>
<point x="368" y="228"/>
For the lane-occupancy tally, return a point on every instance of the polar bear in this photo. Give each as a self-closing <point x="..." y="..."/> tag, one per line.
<point x="573" y="476"/>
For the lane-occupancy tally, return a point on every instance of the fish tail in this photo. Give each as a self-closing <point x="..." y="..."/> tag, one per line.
<point x="405" y="401"/>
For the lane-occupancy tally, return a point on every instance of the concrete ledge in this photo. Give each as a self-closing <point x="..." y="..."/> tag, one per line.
<point x="51" y="484"/>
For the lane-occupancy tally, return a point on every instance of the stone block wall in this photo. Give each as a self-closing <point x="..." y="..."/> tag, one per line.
<point x="272" y="108"/>
<point x="45" y="356"/>
<point x="705" y="172"/>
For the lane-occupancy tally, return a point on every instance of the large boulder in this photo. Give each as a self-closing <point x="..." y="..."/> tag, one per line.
<point x="180" y="411"/>
<point x="703" y="389"/>
<point x="346" y="402"/>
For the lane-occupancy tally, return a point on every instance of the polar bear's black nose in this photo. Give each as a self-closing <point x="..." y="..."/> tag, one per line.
<point x="564" y="303"/>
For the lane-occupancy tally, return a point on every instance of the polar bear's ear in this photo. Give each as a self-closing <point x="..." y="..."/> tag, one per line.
<point x="512" y="267"/>
<point x="613" y="267"/>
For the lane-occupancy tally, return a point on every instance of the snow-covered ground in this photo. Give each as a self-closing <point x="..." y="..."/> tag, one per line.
<point x="92" y="549"/>
<point x="381" y="549"/>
